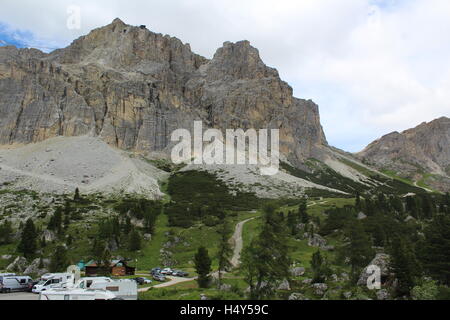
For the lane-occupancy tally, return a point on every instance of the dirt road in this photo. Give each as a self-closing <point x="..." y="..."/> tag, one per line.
<point x="238" y="243"/>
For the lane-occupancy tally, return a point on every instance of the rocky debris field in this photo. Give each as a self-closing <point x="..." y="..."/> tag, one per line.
<point x="60" y="165"/>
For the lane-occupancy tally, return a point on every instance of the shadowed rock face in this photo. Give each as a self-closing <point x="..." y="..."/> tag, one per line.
<point x="424" y="149"/>
<point x="132" y="88"/>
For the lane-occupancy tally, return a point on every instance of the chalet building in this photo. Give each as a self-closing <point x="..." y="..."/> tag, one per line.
<point x="117" y="268"/>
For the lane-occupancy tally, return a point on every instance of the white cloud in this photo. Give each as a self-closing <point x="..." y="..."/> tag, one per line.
<point x="373" y="66"/>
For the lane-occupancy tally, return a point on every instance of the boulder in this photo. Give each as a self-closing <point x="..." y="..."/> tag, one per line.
<point x="297" y="296"/>
<point x="316" y="240"/>
<point x="347" y="295"/>
<point x="307" y="281"/>
<point x="361" y="216"/>
<point x="203" y="297"/>
<point x="18" y="265"/>
<point x="225" y="287"/>
<point x="298" y="271"/>
<point x="284" y="285"/>
<point x="319" y="288"/>
<point x="383" y="294"/>
<point x="381" y="260"/>
<point x="37" y="268"/>
<point x="48" y="235"/>
<point x="147" y="237"/>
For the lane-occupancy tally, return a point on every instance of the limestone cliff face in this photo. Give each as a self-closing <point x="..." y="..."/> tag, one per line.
<point x="424" y="149"/>
<point x="133" y="87"/>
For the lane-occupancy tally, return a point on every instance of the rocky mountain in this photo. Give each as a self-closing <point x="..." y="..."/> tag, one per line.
<point x="421" y="154"/>
<point x="131" y="88"/>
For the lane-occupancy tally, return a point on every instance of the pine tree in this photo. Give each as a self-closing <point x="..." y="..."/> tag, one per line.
<point x="134" y="243"/>
<point x="303" y="211"/>
<point x="267" y="260"/>
<point x="404" y="265"/>
<point x="6" y="233"/>
<point x="224" y="251"/>
<point x="435" y="252"/>
<point x="320" y="267"/>
<point x="360" y="248"/>
<point x="202" y="263"/>
<point x="55" y="223"/>
<point x="77" y="196"/>
<point x="28" y="241"/>
<point x="291" y="222"/>
<point x="59" y="261"/>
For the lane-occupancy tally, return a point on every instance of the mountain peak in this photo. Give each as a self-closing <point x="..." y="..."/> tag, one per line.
<point x="415" y="152"/>
<point x="239" y="60"/>
<point x="118" y="21"/>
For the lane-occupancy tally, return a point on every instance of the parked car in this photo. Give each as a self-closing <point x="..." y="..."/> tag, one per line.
<point x="159" y="277"/>
<point x="14" y="283"/>
<point x="142" y="280"/>
<point x="180" y="273"/>
<point x="155" y="271"/>
<point x="167" y="271"/>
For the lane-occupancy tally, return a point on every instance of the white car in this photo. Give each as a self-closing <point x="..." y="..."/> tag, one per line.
<point x="167" y="271"/>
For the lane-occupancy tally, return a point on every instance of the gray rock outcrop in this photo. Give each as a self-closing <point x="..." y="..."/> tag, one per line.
<point x="18" y="265"/>
<point x="381" y="260"/>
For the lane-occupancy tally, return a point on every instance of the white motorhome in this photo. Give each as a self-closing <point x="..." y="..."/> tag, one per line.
<point x="7" y="274"/>
<point x="76" y="294"/>
<point x="125" y="289"/>
<point x="53" y="281"/>
<point x="14" y="283"/>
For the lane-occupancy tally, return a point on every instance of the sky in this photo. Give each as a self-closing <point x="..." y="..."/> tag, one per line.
<point x="372" y="66"/>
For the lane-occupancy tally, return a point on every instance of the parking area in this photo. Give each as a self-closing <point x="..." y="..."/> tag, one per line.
<point x="21" y="296"/>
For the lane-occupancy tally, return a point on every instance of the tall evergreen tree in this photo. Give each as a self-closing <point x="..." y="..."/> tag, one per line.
<point x="59" y="261"/>
<point x="6" y="233"/>
<point x="267" y="261"/>
<point x="55" y="223"/>
<point x="202" y="263"/>
<point x="291" y="222"/>
<point x="224" y="251"/>
<point x="360" y="248"/>
<point x="134" y="243"/>
<point x="303" y="211"/>
<point x="435" y="251"/>
<point x="320" y="267"/>
<point x="404" y="265"/>
<point x="77" y="196"/>
<point x="28" y="241"/>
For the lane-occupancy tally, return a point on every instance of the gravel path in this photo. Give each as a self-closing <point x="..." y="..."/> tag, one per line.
<point x="238" y="243"/>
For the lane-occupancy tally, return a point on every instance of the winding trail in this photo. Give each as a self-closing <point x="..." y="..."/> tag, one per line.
<point x="426" y="189"/>
<point x="236" y="239"/>
<point x="238" y="242"/>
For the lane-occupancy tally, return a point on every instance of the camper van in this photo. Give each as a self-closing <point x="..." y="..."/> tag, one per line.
<point x="53" y="281"/>
<point x="76" y="294"/>
<point x="14" y="283"/>
<point x="123" y="289"/>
